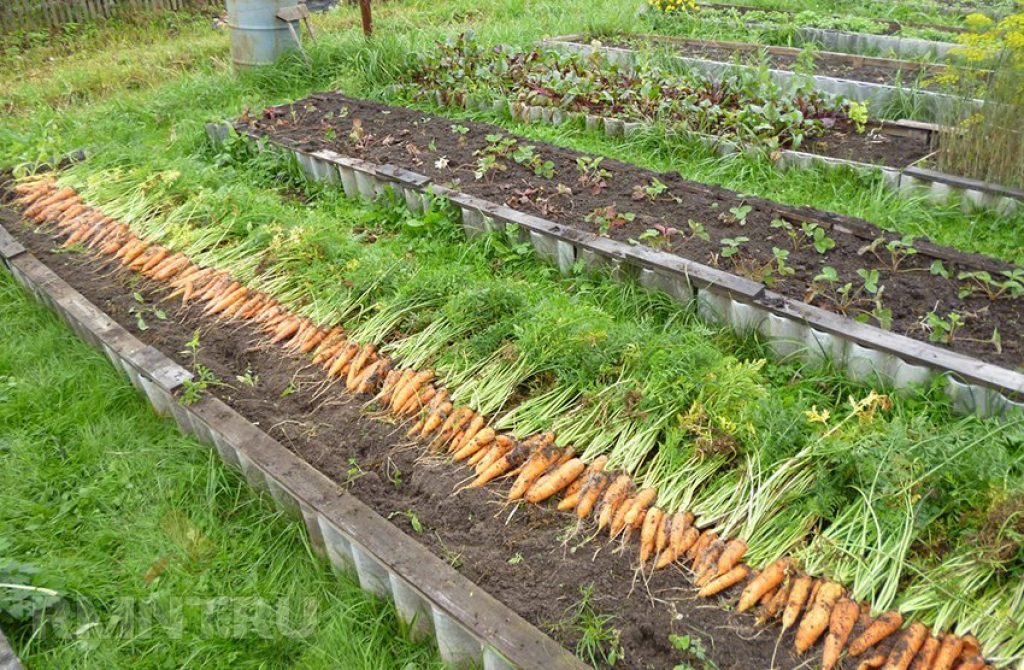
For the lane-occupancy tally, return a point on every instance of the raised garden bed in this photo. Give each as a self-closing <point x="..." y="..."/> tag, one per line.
<point x="723" y="111"/>
<point x="519" y="558"/>
<point x="888" y="39"/>
<point x="879" y="82"/>
<point x="445" y="152"/>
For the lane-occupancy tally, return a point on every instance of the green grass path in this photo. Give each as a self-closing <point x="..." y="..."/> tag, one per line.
<point x="169" y="559"/>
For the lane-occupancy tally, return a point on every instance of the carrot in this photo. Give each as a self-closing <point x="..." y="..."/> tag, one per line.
<point x="566" y="456"/>
<point x="232" y="298"/>
<point x="614" y="496"/>
<point x="502" y="445"/>
<point x="370" y="379"/>
<point x="649" y="533"/>
<point x="948" y="652"/>
<point x="387" y="392"/>
<point x="881" y="628"/>
<point x="171" y="268"/>
<point x="340" y="363"/>
<point x="155" y="260"/>
<point x="722" y="582"/>
<point x="973" y="662"/>
<point x="902" y="654"/>
<point x="698" y="551"/>
<point x="474" y="444"/>
<point x="436" y="418"/>
<point x="769" y="578"/>
<point x="840" y="625"/>
<point x="57" y="196"/>
<point x="553" y="482"/>
<point x="409" y="389"/>
<point x="540" y="461"/>
<point x="874" y="661"/>
<point x="731" y="555"/>
<point x="335" y="337"/>
<point x="459" y="421"/>
<point x="644" y="499"/>
<point x="508" y="461"/>
<point x="704" y="565"/>
<point x="925" y="659"/>
<point x="418" y="400"/>
<point x="153" y="252"/>
<point x="572" y="492"/>
<point x="663" y="534"/>
<point x="590" y="494"/>
<point x="500" y="441"/>
<point x="470" y="432"/>
<point x="816" y="619"/>
<point x="315" y="339"/>
<point x="797" y="597"/>
<point x="680" y="539"/>
<point x="771" y="607"/>
<point x="285" y="330"/>
<point x="971" y="645"/>
<point x="359" y="362"/>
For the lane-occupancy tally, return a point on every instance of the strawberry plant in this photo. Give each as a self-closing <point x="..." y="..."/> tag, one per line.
<point x="592" y="175"/>
<point x="608" y="218"/>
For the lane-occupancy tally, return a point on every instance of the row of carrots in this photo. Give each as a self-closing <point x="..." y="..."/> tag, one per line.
<point x="537" y="468"/>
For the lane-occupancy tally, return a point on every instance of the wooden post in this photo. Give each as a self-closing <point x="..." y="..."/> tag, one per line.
<point x="364" y="9"/>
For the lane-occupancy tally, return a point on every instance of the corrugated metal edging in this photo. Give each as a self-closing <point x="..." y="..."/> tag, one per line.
<point x="470" y="627"/>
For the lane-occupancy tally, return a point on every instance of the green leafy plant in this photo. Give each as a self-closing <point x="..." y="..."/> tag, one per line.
<point x="592" y="175"/>
<point x="203" y="378"/>
<point x="898" y="250"/>
<point x="698" y="230"/>
<point x="736" y="215"/>
<point x="528" y="157"/>
<point x="608" y="218"/>
<point x="1011" y="285"/>
<point x="694" y="652"/>
<point x="731" y="245"/>
<point x="599" y="641"/>
<point x="650" y="191"/>
<point x="20" y="597"/>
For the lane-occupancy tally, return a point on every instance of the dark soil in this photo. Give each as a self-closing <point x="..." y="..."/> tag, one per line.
<point x="891" y="27"/>
<point x="449" y="152"/>
<point x="875" y="146"/>
<point x="840" y="67"/>
<point x="520" y="558"/>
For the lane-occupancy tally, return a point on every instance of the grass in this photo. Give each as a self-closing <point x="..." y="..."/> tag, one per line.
<point x="124" y="517"/>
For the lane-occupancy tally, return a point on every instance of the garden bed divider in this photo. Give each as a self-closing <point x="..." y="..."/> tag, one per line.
<point x="792" y="327"/>
<point x="471" y="628"/>
<point x="8" y="659"/>
<point x="878" y="96"/>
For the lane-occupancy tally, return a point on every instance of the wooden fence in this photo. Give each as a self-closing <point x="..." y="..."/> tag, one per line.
<point x="46" y="14"/>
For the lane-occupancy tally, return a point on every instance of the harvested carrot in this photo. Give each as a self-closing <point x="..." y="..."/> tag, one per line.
<point x="663" y="534"/>
<point x="618" y="521"/>
<point x="840" y="625"/>
<point x="285" y="330"/>
<point x="360" y="361"/>
<point x="731" y="555"/>
<point x="502" y="442"/>
<point x="798" y="597"/>
<point x="227" y="301"/>
<point x="534" y="467"/>
<point x="436" y="418"/>
<point x="881" y="628"/>
<point x="474" y="427"/>
<point x="551" y="483"/>
<point x="567" y="454"/>
<point x="341" y="362"/>
<point x="590" y="494"/>
<point x="874" y="661"/>
<point x="409" y="389"/>
<point x="772" y="606"/>
<point x="496" y="451"/>
<point x="722" y="582"/>
<point x="903" y="652"/>
<point x="573" y="490"/>
<point x="698" y="551"/>
<point x="418" y="400"/>
<point x="644" y="499"/>
<point x="649" y="533"/>
<point x="682" y="538"/>
<point x="704" y="564"/>
<point x="478" y="442"/>
<point x="816" y="619"/>
<point x="393" y="386"/>
<point x="925" y="659"/>
<point x="973" y="662"/>
<point x="769" y="578"/>
<point x="971" y="645"/>
<point x="505" y="463"/>
<point x="369" y="380"/>
<point x="948" y="652"/>
<point x="614" y="496"/>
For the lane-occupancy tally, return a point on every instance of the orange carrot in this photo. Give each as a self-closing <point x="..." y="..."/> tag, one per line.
<point x="474" y="445"/>
<point x="644" y="499"/>
<point x="881" y="628"/>
<point x="555" y="481"/>
<point x="769" y="578"/>
<point x="409" y="389"/>
<point x="663" y="534"/>
<point x="508" y="461"/>
<point x="368" y="381"/>
<point x="948" y="652"/>
<point x="474" y="427"/>
<point x="494" y="452"/>
<point x="649" y="533"/>
<point x="902" y="654"/>
<point x="874" y="661"/>
<point x="971" y="645"/>
<point x="285" y="330"/>
<point x="797" y="598"/>
<point x="484" y="450"/>
<point x="590" y="494"/>
<point x="840" y="625"/>
<point x="704" y="564"/>
<point x="731" y="578"/>
<point x="341" y="362"/>
<point x="540" y="461"/>
<point x="973" y="662"/>
<point x="359" y="362"/>
<point x="436" y="418"/>
<point x="682" y="538"/>
<point x="614" y="496"/>
<point x="228" y="300"/>
<point x="816" y="619"/>
<point x="731" y="555"/>
<point x="772" y="606"/>
<point x="925" y="658"/>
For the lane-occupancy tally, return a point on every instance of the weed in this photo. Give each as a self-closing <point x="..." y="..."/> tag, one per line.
<point x="694" y="653"/>
<point x="731" y="245"/>
<point x="608" y="218"/>
<point x="599" y="641"/>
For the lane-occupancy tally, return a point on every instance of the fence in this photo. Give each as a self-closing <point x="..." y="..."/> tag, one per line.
<point x="46" y="14"/>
